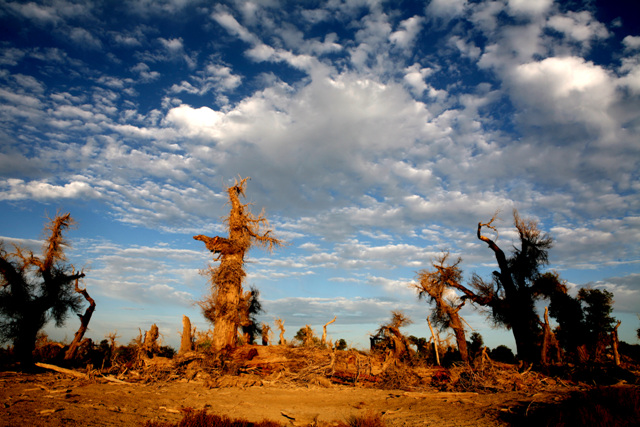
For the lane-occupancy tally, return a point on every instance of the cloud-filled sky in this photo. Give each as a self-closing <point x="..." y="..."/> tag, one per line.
<point x="376" y="134"/>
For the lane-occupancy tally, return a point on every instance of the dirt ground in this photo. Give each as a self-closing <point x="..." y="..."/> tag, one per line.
<point x="54" y="399"/>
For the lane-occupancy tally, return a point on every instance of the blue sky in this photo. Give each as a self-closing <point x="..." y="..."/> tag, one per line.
<point x="375" y="133"/>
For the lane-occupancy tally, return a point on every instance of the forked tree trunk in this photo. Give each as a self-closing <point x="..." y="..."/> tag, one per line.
<point x="323" y="341"/>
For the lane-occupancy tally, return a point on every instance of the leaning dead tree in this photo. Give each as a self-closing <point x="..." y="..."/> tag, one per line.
<point x="84" y="323"/>
<point x="222" y="306"/>
<point x="438" y="286"/>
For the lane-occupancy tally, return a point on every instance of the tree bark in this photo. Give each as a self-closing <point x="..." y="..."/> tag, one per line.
<point x="84" y="323"/>
<point x="458" y="330"/>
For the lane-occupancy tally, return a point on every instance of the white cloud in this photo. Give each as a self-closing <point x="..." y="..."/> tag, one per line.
<point x="446" y="9"/>
<point x="201" y="121"/>
<point x="84" y="39"/>
<point x="233" y="26"/>
<point x="563" y="90"/>
<point x="17" y="189"/>
<point x="406" y="34"/>
<point x="631" y="42"/>
<point x="529" y="7"/>
<point x="38" y="13"/>
<point x="579" y="26"/>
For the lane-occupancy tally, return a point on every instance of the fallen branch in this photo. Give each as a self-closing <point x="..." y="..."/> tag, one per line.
<point x="62" y="370"/>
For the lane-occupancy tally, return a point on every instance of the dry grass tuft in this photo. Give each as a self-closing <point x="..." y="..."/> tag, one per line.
<point x="193" y="418"/>
<point x="200" y="418"/>
<point x="370" y="419"/>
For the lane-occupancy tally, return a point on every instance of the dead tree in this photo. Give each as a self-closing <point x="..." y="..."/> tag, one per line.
<point x="435" y="341"/>
<point x="186" y="341"/>
<point x="266" y="334"/>
<point x="549" y="341"/>
<point x="84" y="323"/>
<point x="222" y="307"/>
<point x="615" y="343"/>
<point x="34" y="290"/>
<point x="306" y="336"/>
<point x="280" y="324"/>
<point x="438" y="286"/>
<point x="389" y="338"/>
<point x="150" y="343"/>
<point x="249" y="309"/>
<point x="511" y="294"/>
<point x="323" y="341"/>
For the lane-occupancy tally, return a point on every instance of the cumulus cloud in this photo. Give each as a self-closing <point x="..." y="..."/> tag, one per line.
<point x="563" y="90"/>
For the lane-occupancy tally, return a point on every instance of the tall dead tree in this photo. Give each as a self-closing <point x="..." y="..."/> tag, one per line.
<point x="438" y="286"/>
<point x="221" y="307"/>
<point x="34" y="290"/>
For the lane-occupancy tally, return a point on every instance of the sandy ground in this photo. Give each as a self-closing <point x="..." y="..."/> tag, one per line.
<point x="52" y="399"/>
